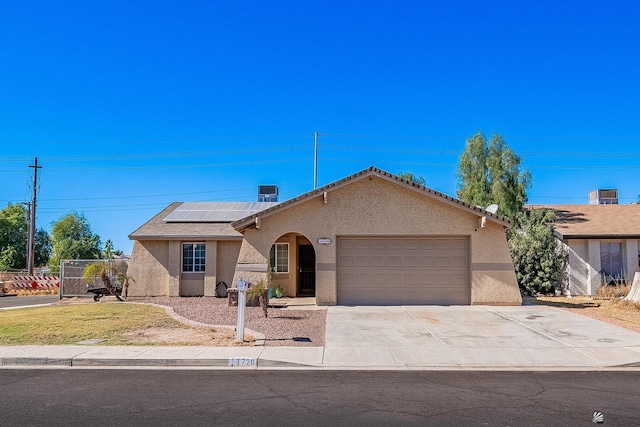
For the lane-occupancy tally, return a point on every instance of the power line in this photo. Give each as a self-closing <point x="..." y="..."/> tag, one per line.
<point x="157" y="140"/>
<point x="164" y="155"/>
<point x="186" y="166"/>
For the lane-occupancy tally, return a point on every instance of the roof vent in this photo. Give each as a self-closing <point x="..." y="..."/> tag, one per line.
<point x="603" y="197"/>
<point x="267" y="193"/>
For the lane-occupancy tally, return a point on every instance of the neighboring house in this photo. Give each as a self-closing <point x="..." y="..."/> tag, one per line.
<point x="370" y="238"/>
<point x="601" y="239"/>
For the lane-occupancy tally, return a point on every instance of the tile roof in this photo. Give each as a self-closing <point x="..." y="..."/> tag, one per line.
<point x="596" y="221"/>
<point x="249" y="221"/>
<point x="190" y="220"/>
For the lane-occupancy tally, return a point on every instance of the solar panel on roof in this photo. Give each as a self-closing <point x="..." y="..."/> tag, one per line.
<point x="215" y="211"/>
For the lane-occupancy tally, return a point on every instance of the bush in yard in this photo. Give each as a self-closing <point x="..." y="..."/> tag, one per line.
<point x="537" y="255"/>
<point x="260" y="291"/>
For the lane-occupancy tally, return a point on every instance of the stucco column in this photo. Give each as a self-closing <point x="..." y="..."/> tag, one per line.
<point x="631" y="262"/>
<point x="595" y="281"/>
<point x="252" y="265"/>
<point x="210" y="266"/>
<point x="174" y="268"/>
<point x="326" y="288"/>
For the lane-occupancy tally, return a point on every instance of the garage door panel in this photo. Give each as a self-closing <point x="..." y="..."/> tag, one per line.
<point x="409" y="244"/>
<point x="443" y="245"/>
<point x="459" y="244"/>
<point x="394" y="261"/>
<point x="427" y="261"/>
<point x="443" y="280"/>
<point x="427" y="279"/>
<point x="427" y="244"/>
<point x="400" y="270"/>
<point x="345" y="261"/>
<point x="361" y="261"/>
<point x="459" y="279"/>
<point x="443" y="261"/>
<point x="376" y="244"/>
<point x="411" y="279"/>
<point x="378" y="261"/>
<point x="394" y="244"/>
<point x="411" y="261"/>
<point x="459" y="261"/>
<point x="362" y="243"/>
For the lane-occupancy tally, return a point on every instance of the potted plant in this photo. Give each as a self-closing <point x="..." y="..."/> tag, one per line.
<point x="279" y="292"/>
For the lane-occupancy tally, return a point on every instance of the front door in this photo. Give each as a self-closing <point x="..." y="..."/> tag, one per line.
<point x="306" y="271"/>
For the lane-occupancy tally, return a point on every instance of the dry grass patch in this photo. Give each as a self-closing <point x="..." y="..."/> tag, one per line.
<point x="613" y="292"/>
<point x="611" y="310"/>
<point x="118" y="324"/>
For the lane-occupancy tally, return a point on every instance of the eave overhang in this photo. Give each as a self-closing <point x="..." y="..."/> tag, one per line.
<point x="251" y="221"/>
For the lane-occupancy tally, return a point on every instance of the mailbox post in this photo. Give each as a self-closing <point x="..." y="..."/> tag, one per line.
<point x="242" y="302"/>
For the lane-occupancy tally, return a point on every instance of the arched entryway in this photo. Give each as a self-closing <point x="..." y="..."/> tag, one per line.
<point x="293" y="265"/>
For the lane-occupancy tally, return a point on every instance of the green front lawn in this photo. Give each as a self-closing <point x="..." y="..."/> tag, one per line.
<point x="69" y="324"/>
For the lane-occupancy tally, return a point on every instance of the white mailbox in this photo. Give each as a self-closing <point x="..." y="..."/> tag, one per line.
<point x="242" y="302"/>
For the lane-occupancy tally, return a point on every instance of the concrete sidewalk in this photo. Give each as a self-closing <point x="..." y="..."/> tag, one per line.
<point x="478" y="337"/>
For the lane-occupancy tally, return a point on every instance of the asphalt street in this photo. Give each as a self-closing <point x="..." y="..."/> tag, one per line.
<point x="74" y="397"/>
<point x="20" y="301"/>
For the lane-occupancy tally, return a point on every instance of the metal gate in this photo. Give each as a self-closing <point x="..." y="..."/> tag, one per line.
<point x="72" y="282"/>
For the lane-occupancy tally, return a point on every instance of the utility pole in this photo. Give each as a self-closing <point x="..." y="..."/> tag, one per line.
<point x="32" y="220"/>
<point x="315" y="161"/>
<point x="28" y="247"/>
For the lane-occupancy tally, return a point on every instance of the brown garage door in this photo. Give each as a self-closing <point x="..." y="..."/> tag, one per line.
<point x="390" y="270"/>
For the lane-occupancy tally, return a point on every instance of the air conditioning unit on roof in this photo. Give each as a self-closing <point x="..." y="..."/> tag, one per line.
<point x="603" y="197"/>
<point x="267" y="193"/>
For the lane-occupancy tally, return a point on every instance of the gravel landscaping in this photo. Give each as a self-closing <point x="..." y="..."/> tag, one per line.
<point x="283" y="327"/>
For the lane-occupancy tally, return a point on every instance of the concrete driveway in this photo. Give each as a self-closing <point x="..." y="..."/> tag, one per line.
<point x="474" y="336"/>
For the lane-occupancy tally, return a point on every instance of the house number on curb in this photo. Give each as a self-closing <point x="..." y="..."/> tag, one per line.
<point x="243" y="361"/>
<point x="324" y="241"/>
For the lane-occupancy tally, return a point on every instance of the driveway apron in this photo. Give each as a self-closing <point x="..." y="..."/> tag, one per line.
<point x="474" y="337"/>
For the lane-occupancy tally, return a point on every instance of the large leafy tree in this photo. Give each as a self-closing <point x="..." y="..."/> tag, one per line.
<point x="411" y="177"/>
<point x="73" y="239"/>
<point x="538" y="257"/>
<point x="489" y="172"/>
<point x="13" y="239"/>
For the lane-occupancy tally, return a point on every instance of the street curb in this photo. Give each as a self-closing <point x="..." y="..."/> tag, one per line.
<point x="36" y="361"/>
<point x="84" y="362"/>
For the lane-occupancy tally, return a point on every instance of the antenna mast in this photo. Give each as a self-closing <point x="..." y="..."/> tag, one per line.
<point x="315" y="161"/>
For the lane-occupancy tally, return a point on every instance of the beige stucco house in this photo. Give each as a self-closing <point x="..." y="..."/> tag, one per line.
<point x="370" y="238"/>
<point x="599" y="239"/>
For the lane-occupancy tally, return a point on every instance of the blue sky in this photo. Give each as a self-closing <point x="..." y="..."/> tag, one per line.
<point x="132" y="105"/>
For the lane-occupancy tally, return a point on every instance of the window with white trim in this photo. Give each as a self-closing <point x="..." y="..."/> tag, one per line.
<point x="611" y="259"/>
<point x="279" y="258"/>
<point x="193" y="256"/>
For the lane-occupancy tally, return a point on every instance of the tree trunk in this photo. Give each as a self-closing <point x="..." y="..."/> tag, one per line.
<point x="264" y="301"/>
<point x="107" y="284"/>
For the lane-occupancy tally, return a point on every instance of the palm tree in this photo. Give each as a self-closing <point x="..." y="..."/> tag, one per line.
<point x="124" y="280"/>
<point x="105" y="270"/>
